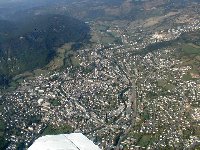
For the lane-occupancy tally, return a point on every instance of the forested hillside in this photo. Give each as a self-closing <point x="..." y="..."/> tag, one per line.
<point x="31" y="42"/>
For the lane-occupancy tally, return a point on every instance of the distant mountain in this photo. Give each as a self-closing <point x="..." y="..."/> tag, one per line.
<point x="8" y="8"/>
<point x="30" y="42"/>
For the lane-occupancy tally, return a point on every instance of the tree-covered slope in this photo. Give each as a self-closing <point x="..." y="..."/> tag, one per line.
<point x="31" y="42"/>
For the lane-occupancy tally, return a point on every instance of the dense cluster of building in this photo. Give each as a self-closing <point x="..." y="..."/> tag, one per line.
<point x="114" y="97"/>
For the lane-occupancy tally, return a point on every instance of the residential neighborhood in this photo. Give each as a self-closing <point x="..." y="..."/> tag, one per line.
<point x="119" y="95"/>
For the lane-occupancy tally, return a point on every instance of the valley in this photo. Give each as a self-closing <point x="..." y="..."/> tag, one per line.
<point x="133" y="83"/>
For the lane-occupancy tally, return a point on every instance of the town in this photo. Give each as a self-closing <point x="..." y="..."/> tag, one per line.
<point x="119" y="95"/>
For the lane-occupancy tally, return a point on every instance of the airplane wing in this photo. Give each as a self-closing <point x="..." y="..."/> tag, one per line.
<point x="73" y="141"/>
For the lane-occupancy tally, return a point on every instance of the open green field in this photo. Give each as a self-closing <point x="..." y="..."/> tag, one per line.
<point x="190" y="49"/>
<point x="58" y="60"/>
<point x="190" y="56"/>
<point x="51" y="130"/>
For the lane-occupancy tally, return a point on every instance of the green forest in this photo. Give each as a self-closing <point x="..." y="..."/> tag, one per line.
<point x="32" y="42"/>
